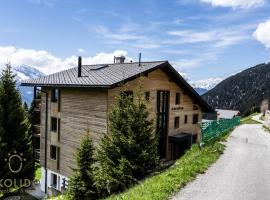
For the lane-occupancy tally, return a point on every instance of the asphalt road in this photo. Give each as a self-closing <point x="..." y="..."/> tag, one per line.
<point x="241" y="173"/>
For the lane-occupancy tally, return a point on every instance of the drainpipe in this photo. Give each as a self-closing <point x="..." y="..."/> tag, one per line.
<point x="46" y="136"/>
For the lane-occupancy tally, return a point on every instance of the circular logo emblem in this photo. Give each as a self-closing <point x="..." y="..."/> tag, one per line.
<point x="15" y="162"/>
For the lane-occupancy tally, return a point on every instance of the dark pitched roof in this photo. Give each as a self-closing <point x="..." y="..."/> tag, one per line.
<point x="110" y="75"/>
<point x="102" y="75"/>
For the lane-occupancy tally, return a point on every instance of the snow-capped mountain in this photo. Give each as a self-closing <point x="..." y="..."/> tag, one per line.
<point x="24" y="72"/>
<point x="203" y="86"/>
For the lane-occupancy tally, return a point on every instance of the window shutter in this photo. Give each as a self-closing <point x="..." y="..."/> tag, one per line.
<point x="59" y="128"/>
<point x="58" y="158"/>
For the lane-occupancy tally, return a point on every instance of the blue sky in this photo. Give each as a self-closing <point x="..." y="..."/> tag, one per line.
<point x="201" y="38"/>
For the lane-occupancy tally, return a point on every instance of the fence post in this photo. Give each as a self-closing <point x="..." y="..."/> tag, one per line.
<point x="200" y="136"/>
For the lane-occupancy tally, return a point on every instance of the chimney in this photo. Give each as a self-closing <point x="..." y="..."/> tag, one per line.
<point x="140" y="59"/>
<point x="119" y="59"/>
<point x="79" y="66"/>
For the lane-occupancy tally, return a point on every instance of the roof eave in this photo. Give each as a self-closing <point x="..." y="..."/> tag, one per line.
<point x="182" y="82"/>
<point x="64" y="85"/>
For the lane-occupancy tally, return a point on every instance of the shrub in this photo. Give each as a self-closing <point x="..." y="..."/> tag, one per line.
<point x="81" y="184"/>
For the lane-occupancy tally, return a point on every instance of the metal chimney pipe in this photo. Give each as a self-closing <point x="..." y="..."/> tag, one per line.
<point x="79" y="66"/>
<point x="140" y="57"/>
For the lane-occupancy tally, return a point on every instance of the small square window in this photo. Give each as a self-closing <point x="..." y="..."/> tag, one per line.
<point x="186" y="119"/>
<point x="53" y="152"/>
<point x="54" y="180"/>
<point x="128" y="94"/>
<point x="195" y="107"/>
<point x="55" y="94"/>
<point x="54" y="124"/>
<point x="177" y="98"/>
<point x="147" y="96"/>
<point x="195" y="118"/>
<point x="176" y="122"/>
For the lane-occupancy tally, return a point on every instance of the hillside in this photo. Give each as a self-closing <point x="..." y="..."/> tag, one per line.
<point x="243" y="91"/>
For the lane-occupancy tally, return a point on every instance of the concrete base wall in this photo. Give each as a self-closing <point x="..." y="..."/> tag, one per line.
<point x="60" y="180"/>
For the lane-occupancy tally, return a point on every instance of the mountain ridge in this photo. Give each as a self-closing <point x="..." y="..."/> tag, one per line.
<point x="23" y="72"/>
<point x="243" y="91"/>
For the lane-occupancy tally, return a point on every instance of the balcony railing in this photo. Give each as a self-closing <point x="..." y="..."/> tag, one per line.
<point x="37" y="155"/>
<point x="37" y="104"/>
<point x="36" y="130"/>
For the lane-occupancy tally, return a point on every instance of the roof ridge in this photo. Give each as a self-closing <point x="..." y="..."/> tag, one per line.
<point x="126" y="63"/>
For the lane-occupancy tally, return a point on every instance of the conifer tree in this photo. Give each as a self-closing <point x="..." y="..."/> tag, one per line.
<point x="14" y="129"/>
<point x="129" y="151"/>
<point x="81" y="184"/>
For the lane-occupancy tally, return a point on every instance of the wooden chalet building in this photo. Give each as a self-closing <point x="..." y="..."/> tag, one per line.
<point x="81" y="97"/>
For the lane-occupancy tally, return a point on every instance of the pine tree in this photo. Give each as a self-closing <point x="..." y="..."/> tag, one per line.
<point x="14" y="129"/>
<point x="129" y="152"/>
<point x="81" y="184"/>
<point x="25" y="106"/>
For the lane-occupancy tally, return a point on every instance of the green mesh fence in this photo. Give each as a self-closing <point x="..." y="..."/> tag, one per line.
<point x="214" y="129"/>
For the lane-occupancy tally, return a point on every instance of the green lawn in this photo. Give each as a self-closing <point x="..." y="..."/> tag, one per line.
<point x="163" y="185"/>
<point x="37" y="171"/>
<point x="266" y="128"/>
<point x="249" y="120"/>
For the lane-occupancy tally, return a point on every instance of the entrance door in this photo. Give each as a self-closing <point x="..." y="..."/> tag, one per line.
<point x="162" y="121"/>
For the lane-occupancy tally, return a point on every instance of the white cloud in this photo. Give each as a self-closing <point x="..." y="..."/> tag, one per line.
<point x="81" y="51"/>
<point x="146" y="45"/>
<point x="262" y="33"/>
<point x="235" y="3"/>
<point x="190" y="36"/>
<point x="217" y="38"/>
<point x="125" y="33"/>
<point x="49" y="3"/>
<point x="194" y="62"/>
<point x="47" y="62"/>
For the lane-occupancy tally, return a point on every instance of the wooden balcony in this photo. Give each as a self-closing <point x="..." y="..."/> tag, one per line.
<point x="37" y="155"/>
<point x="37" y="104"/>
<point x="36" y="130"/>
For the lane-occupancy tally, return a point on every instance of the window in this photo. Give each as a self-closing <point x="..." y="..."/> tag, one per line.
<point x="128" y="94"/>
<point x="147" y="96"/>
<point x="54" y="180"/>
<point x="195" y="107"/>
<point x="195" y="118"/>
<point x="55" y="94"/>
<point x="177" y="98"/>
<point x="54" y="124"/>
<point x="176" y="122"/>
<point x="186" y="119"/>
<point x="53" y="152"/>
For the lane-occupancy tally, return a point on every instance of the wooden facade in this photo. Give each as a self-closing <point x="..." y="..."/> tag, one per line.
<point x="79" y="109"/>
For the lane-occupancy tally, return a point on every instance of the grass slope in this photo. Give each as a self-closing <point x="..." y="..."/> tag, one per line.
<point x="37" y="171"/>
<point x="249" y="120"/>
<point x="163" y="185"/>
